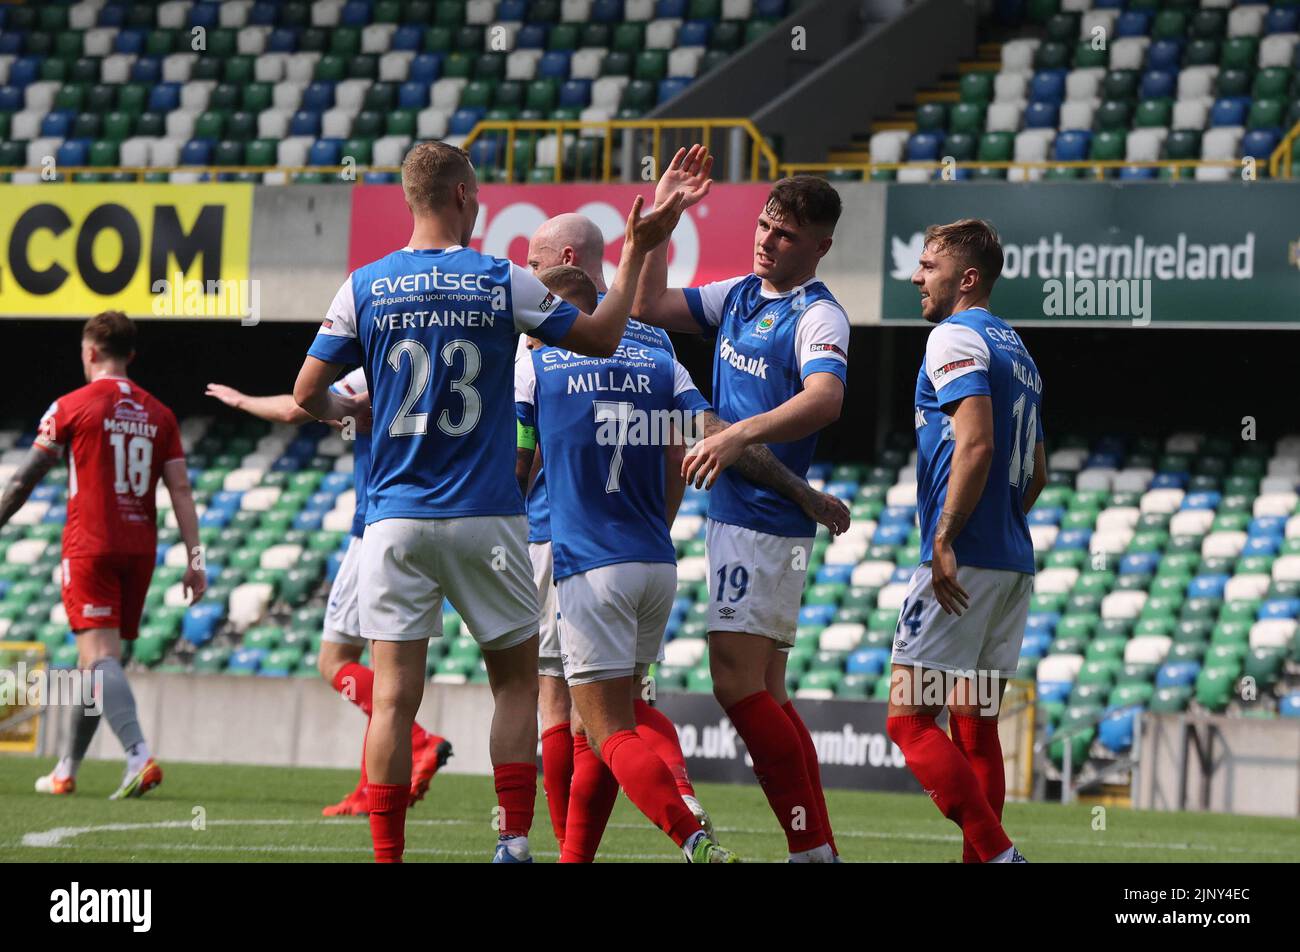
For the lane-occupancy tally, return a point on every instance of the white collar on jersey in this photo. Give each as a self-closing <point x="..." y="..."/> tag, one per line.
<point x="777" y="295"/>
<point x="443" y="250"/>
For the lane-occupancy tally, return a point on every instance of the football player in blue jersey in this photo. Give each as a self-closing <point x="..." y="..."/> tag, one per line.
<point x="603" y="427"/>
<point x="980" y="465"/>
<point x="574" y="244"/>
<point x="779" y="375"/>
<point x="339" y="660"/>
<point x="434" y="326"/>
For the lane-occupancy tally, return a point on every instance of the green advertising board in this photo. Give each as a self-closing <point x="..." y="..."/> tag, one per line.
<point x="1115" y="254"/>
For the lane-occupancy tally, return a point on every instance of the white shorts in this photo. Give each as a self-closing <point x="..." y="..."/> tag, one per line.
<point x="613" y="618"/>
<point x="342" y="620"/>
<point x="479" y="562"/>
<point x="983" y="639"/>
<point x="755" y="580"/>
<point x="548" y="648"/>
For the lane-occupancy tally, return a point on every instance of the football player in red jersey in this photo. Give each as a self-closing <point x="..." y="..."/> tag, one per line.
<point x="120" y="441"/>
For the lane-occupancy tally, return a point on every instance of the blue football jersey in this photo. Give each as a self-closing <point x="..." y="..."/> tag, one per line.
<point x="353" y="385"/>
<point x="435" y="331"/>
<point x="768" y="344"/>
<point x="974" y="353"/>
<point x="602" y="425"/>
<point x="539" y="508"/>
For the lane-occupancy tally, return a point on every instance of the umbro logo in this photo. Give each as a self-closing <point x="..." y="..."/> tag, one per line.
<point x="900" y="644"/>
<point x="726" y="611"/>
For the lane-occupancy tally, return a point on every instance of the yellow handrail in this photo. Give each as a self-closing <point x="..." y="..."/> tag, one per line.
<point x="1098" y="166"/>
<point x="1280" y="162"/>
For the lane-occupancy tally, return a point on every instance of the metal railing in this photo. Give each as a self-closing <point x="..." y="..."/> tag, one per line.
<point x="1094" y="168"/>
<point x="1281" y="163"/>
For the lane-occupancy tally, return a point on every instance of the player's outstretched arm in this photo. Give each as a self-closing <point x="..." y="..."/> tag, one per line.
<point x="807" y="412"/>
<point x="597" y="334"/>
<point x="759" y="465"/>
<point x="280" y="408"/>
<point x="312" y="394"/>
<point x="28" y="476"/>
<point x="177" y="480"/>
<point x="1038" y="480"/>
<point x="972" y="455"/>
<point x="687" y="175"/>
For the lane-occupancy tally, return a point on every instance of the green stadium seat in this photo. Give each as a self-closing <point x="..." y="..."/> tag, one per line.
<point x="977" y="87"/>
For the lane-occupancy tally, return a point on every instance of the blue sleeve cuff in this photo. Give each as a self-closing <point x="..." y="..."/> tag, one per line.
<point x="825" y="365"/>
<point x="974" y="384"/>
<point x="696" y="304"/>
<point x="692" y="402"/>
<point x="556" y="327"/>
<point x="336" y="350"/>
<point x="526" y="413"/>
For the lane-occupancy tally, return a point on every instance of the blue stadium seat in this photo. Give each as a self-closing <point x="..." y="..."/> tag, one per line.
<point x="1139" y="563"/>
<point x="1279" y="608"/>
<point x="11" y="99"/>
<point x="1170" y="481"/>
<point x="463" y="121"/>
<point x="895" y="534"/>
<point x="25" y="71"/>
<point x="305" y="123"/>
<point x="285" y="40"/>
<point x="333" y="563"/>
<point x="1202" y="500"/>
<point x="1042" y="621"/>
<point x="215" y="519"/>
<point x="1054" y="691"/>
<point x="1042" y="115"/>
<point x="575" y="94"/>
<point x="355" y="13"/>
<point x="201" y="620"/>
<point x="318" y="96"/>
<point x="325" y="152"/>
<point x="1262" y="545"/>
<point x="484" y="153"/>
<point x="904" y="515"/>
<point x="110" y="15"/>
<point x="1048" y="85"/>
<point x="1133" y="23"/>
<point x="671" y="88"/>
<point x="1158" y="84"/>
<point x="1260" y="143"/>
<point x="308" y="520"/>
<point x="147" y="70"/>
<point x="1177" y="674"/>
<point x="1207" y="586"/>
<point x="1071" y="145"/>
<point x="867" y="661"/>
<point x="413" y="95"/>
<point x="165" y="98"/>
<point x="57" y="515"/>
<point x="55" y="125"/>
<point x="1116" y="729"/>
<point x="1229" y="111"/>
<point x="130" y="42"/>
<point x="769" y="9"/>
<point x="816" y="614"/>
<point x="425" y="68"/>
<point x="554" y="65"/>
<point x="1282" y="20"/>
<point x="1105" y="458"/>
<point x="1267" y="526"/>
<point x="263" y="13"/>
<point x="408" y="37"/>
<point x="226" y="499"/>
<point x="1073" y="539"/>
<point x="11" y="44"/>
<point x="246" y="660"/>
<point x="606" y="11"/>
<point x="1035" y="645"/>
<point x="924" y="147"/>
<point x="695" y="33"/>
<point x="531" y="36"/>
<point x="1165" y="55"/>
<point x="335" y="482"/>
<point x="196" y="152"/>
<point x="512" y="10"/>
<point x="671" y="9"/>
<point x="1045" y="515"/>
<point x="902" y="574"/>
<point x="834" y="573"/>
<point x="1289" y="706"/>
<point x="205" y="15"/>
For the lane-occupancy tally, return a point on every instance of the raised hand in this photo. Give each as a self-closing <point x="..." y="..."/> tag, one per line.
<point x="227" y="395"/>
<point x="644" y="234"/>
<point x="688" y="175"/>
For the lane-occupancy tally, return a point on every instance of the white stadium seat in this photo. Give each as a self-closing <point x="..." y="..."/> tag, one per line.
<point x="480" y="12"/>
<point x="251" y="40"/>
<point x="326" y="12"/>
<point x="1084" y="85"/>
<point x="234" y="13"/>
<point x="1247" y="20"/>
<point x="1078" y="115"/>
<point x="337" y="521"/>
<point x="585" y="63"/>
<point x="1110" y="541"/>
<point x="872" y="574"/>
<point x="1147" y="649"/>
<point x="1223" y="544"/>
<point x="1043" y="537"/>
<point x="1128" y="52"/>
<point x="1192" y="113"/>
<point x="1272" y="633"/>
<point x="1277" y="50"/>
<point x="607" y="91"/>
<point x="887" y="146"/>
<point x="1144" y="145"/>
<point x="1004" y="116"/>
<point x="1246" y="587"/>
<point x="1275" y="503"/>
<point x="662" y="34"/>
<point x="301" y="67"/>
<point x="693" y="568"/>
<point x="1010" y="87"/>
<point x="26" y="551"/>
<point x="1095" y="477"/>
<point x="1163" y="501"/>
<point x="685" y="652"/>
<point x="901" y="494"/>
<point x="892" y="595"/>
<point x="395" y="66"/>
<point x="1118" y="518"/>
<point x="1191" y="522"/>
<point x="1055" y="581"/>
<point x="1286" y="568"/>
<point x="1123" y="604"/>
<point x="1060" y="667"/>
<point x="1134" y="479"/>
<point x="432" y="123"/>
<point x="249" y="603"/>
<point x="642" y="11"/>
<point x="284" y="555"/>
<point x="845" y="552"/>
<point x="1018" y="55"/>
<point x="521" y="65"/>
<point x="842" y="636"/>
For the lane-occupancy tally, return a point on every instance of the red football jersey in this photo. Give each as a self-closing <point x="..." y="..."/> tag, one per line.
<point x="118" y="437"/>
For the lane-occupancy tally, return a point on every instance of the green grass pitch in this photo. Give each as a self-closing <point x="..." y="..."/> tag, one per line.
<point x="231" y="813"/>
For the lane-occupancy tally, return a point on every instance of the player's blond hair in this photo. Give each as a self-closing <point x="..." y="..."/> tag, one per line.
<point x="973" y="242"/>
<point x="111" y="332"/>
<point x="430" y="173"/>
<point x="571" y="283"/>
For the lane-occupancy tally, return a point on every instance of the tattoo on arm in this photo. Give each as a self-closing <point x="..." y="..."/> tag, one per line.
<point x="950" y="525"/>
<point x="759" y="464"/>
<point x="28" y="476"/>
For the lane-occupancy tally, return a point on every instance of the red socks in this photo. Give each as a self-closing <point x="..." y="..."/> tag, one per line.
<point x="977" y="739"/>
<point x="654" y="727"/>
<point x="779" y="765"/>
<point x="648" y="784"/>
<point x="356" y="682"/>
<point x="516" y="795"/>
<point x="558" y="760"/>
<point x="812" y="769"/>
<point x="591" y="800"/>
<point x="387" y="804"/>
<point x="950" y="781"/>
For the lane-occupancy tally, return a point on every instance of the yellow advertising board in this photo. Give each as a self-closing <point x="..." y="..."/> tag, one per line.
<point x="150" y="250"/>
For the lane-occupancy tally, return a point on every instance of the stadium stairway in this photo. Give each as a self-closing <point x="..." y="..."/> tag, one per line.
<point x="1169" y="576"/>
<point x="1115" y="81"/>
